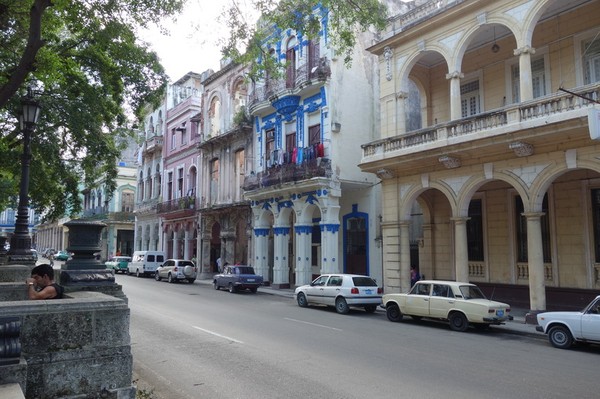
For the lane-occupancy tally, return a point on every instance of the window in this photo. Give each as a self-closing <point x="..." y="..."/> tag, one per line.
<point x="173" y="135"/>
<point x="441" y="290"/>
<point x="239" y="169"/>
<point x="290" y="141"/>
<point x="290" y="59"/>
<point x="538" y="79"/>
<point x="214" y="117"/>
<point x="521" y="228"/>
<point x="270" y="148"/>
<point x="591" y="60"/>
<point x="179" y="182"/>
<point x="184" y="138"/>
<point x="469" y="98"/>
<point x="314" y="134"/>
<point x="475" y="231"/>
<point x="214" y="180"/>
<point x="127" y="201"/>
<point x="313" y="57"/>
<point x="170" y="186"/>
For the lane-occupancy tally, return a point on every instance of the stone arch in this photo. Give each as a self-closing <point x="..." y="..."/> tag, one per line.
<point x="409" y="63"/>
<point x="416" y="190"/>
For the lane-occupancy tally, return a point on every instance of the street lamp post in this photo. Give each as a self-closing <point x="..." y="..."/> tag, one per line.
<point x="20" y="242"/>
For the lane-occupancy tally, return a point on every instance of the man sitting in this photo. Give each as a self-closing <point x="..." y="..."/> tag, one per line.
<point x="41" y="285"/>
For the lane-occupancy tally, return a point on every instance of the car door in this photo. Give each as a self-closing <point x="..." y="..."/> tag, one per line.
<point x="315" y="291"/>
<point x="332" y="289"/>
<point x="590" y="322"/>
<point x="164" y="271"/>
<point x="441" y="301"/>
<point x="417" y="300"/>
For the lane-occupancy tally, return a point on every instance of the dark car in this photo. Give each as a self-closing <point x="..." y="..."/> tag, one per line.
<point x="236" y="278"/>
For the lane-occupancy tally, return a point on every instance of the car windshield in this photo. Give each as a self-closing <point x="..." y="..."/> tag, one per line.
<point x="186" y="263"/>
<point x="471" y="292"/>
<point x="364" y="282"/>
<point x="246" y="270"/>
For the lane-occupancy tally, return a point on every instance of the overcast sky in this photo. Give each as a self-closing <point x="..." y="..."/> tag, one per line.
<point x="192" y="42"/>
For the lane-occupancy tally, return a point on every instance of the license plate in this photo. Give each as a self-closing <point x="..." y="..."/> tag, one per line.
<point x="250" y="280"/>
<point x="369" y="292"/>
<point x="500" y="312"/>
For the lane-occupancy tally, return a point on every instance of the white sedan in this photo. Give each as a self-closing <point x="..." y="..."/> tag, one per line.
<point x="565" y="328"/>
<point x="342" y="291"/>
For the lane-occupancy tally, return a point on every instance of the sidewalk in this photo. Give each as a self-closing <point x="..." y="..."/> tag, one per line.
<point x="516" y="326"/>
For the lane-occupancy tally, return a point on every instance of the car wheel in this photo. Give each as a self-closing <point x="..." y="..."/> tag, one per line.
<point x="393" y="313"/>
<point x="156" y="276"/>
<point x="253" y="290"/>
<point x="458" y="322"/>
<point x="301" y="299"/>
<point x="370" y="308"/>
<point x="191" y="280"/>
<point x="137" y="273"/>
<point x="341" y="306"/>
<point x="232" y="288"/>
<point x="560" y="337"/>
<point x="170" y="278"/>
<point x="216" y="285"/>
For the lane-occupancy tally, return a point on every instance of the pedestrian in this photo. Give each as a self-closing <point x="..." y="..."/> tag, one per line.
<point x="219" y="269"/>
<point x="414" y="275"/>
<point x="41" y="284"/>
<point x="51" y="258"/>
<point x="194" y="260"/>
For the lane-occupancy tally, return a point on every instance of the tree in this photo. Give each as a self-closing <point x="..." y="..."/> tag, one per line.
<point x="93" y="75"/>
<point x="248" y="41"/>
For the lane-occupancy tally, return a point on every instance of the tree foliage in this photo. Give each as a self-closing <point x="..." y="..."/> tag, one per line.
<point x="248" y="41"/>
<point x="92" y="73"/>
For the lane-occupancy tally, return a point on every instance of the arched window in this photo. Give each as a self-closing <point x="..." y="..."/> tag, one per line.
<point x="214" y="117"/>
<point x="290" y="59"/>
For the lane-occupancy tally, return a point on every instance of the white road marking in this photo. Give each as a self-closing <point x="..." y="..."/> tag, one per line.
<point x="313" y="324"/>
<point x="218" y="335"/>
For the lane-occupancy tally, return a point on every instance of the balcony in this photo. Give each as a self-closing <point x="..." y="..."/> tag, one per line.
<point x="305" y="75"/>
<point x="184" y="206"/>
<point x="102" y="213"/>
<point x="146" y="207"/>
<point x="290" y="172"/>
<point x="493" y="126"/>
<point x="153" y="145"/>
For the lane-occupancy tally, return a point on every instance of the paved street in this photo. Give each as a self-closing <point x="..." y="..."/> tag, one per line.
<point x="190" y="341"/>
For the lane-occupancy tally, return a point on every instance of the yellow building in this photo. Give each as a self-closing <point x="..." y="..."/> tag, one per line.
<point x="490" y="168"/>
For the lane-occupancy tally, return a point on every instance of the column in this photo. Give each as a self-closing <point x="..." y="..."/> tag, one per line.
<point x="455" y="109"/>
<point x="303" y="254"/>
<point x="329" y="248"/>
<point x="281" y="269"/>
<point x="404" y="256"/>
<point x="186" y="245"/>
<point x="228" y="242"/>
<point x="461" y="254"/>
<point x="525" y="80"/>
<point x="205" y="265"/>
<point x="401" y="98"/>
<point x="535" y="260"/>
<point x="261" y="250"/>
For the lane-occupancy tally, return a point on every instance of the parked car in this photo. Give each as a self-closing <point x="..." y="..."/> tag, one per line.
<point x="566" y="328"/>
<point x="145" y="263"/>
<point x="236" y="278"/>
<point x="34" y="253"/>
<point x="62" y="255"/>
<point x="176" y="269"/>
<point x="118" y="264"/>
<point x="342" y="291"/>
<point x="462" y="304"/>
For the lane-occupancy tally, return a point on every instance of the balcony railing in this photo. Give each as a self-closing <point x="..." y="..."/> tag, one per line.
<point x="291" y="172"/>
<point x="541" y="109"/>
<point x="177" y="204"/>
<point x="154" y="144"/>
<point x="303" y="76"/>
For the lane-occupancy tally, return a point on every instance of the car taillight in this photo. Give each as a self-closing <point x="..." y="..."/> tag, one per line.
<point x="354" y="290"/>
<point x="380" y="290"/>
<point x="508" y="309"/>
<point x="491" y="310"/>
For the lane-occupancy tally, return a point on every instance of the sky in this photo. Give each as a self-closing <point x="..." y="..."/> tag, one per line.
<point x="192" y="44"/>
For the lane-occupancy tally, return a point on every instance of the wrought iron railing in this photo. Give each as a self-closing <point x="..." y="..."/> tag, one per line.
<point x="291" y="172"/>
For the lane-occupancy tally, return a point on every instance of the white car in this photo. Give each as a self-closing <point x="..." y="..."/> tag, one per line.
<point x="462" y="304"/>
<point x="342" y="291"/>
<point x="565" y="328"/>
<point x="177" y="269"/>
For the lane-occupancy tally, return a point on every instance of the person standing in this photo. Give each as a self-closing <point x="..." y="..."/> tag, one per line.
<point x="41" y="284"/>
<point x="219" y="268"/>
<point x="414" y="276"/>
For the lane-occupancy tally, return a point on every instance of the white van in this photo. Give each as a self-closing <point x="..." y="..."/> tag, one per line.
<point x="144" y="263"/>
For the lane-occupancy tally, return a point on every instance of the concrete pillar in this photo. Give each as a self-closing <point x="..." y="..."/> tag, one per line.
<point x="228" y="242"/>
<point x="206" y="267"/>
<point x="401" y="98"/>
<point x="455" y="109"/>
<point x="281" y="269"/>
<point x="303" y="254"/>
<point x="404" y="256"/>
<point x="461" y="254"/>
<point x="329" y="248"/>
<point x="525" y="79"/>
<point x="535" y="260"/>
<point x="261" y="251"/>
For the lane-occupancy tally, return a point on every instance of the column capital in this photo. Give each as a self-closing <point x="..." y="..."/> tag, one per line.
<point x="401" y="95"/>
<point x="524" y="50"/>
<point x="460" y="219"/>
<point x="533" y="215"/>
<point x="455" y="75"/>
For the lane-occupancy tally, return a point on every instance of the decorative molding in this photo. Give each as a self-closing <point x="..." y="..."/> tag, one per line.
<point x="521" y="148"/>
<point x="385" y="174"/>
<point x="524" y="50"/>
<point x="449" y="162"/>
<point x="455" y="75"/>
<point x="388" y="54"/>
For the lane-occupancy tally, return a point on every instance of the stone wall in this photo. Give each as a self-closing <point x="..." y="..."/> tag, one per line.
<point x="73" y="347"/>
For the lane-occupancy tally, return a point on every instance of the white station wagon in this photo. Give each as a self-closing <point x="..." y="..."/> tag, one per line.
<point x="342" y="291"/>
<point x="461" y="304"/>
<point x="565" y="328"/>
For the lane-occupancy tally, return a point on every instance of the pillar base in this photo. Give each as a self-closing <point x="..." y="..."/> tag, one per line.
<point x="15" y="273"/>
